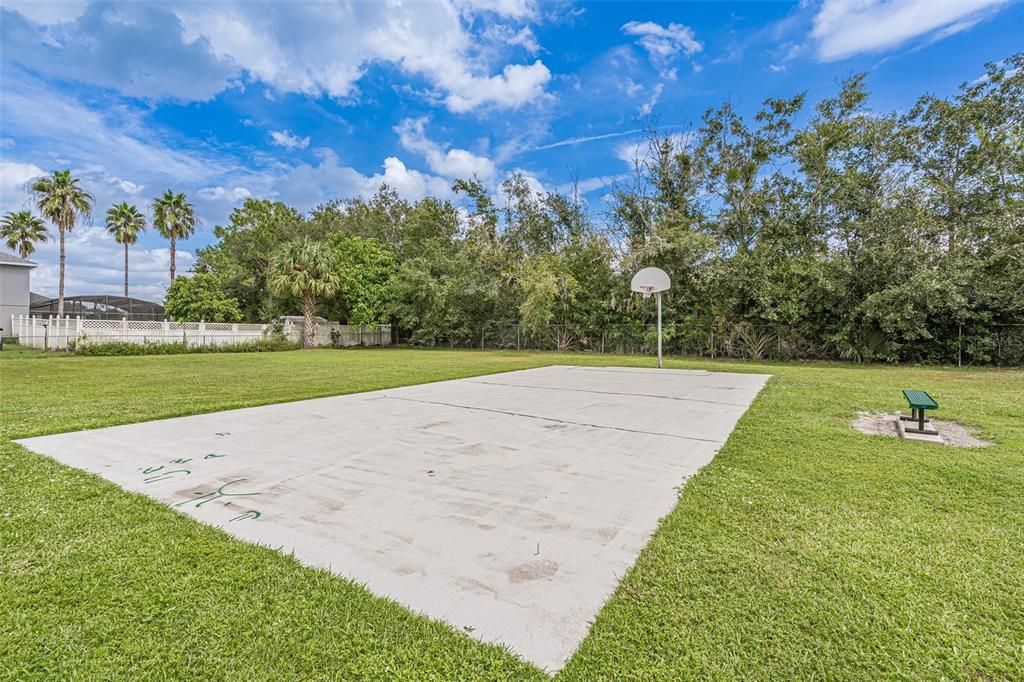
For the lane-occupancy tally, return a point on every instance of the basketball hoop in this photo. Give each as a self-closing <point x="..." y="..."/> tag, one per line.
<point x="652" y="281"/>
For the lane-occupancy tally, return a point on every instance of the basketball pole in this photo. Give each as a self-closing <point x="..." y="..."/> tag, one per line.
<point x="659" y="330"/>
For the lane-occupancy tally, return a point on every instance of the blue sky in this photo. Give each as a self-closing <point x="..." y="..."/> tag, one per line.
<point x="307" y="102"/>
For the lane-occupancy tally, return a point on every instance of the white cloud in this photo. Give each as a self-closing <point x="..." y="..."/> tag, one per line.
<point x="14" y="180"/>
<point x="843" y="28"/>
<point x="515" y="86"/>
<point x="325" y="49"/>
<point x="450" y="163"/>
<point x="776" y="68"/>
<point x="664" y="44"/>
<point x="532" y="181"/>
<point x="631" y="87"/>
<point x="192" y="51"/>
<point x="288" y="139"/>
<point x="641" y="150"/>
<point x="307" y="185"/>
<point x="513" y="9"/>
<point x="232" y="195"/>
<point x="138" y="49"/>
<point x="129" y="187"/>
<point x="503" y="34"/>
<point x="648" y="106"/>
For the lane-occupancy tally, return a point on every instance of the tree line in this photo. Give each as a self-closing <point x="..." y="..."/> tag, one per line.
<point x="866" y="235"/>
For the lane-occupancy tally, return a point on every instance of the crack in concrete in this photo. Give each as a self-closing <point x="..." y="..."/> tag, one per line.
<point x="589" y="390"/>
<point x="549" y="419"/>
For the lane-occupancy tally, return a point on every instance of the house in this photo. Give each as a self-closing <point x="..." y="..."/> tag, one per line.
<point x="14" y="288"/>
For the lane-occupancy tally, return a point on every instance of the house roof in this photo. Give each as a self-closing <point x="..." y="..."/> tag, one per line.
<point x="11" y="259"/>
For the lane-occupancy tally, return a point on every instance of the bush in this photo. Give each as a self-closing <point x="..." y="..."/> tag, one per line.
<point x="125" y="348"/>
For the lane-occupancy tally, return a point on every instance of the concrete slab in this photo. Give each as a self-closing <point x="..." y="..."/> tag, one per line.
<point x="508" y="505"/>
<point x="901" y="429"/>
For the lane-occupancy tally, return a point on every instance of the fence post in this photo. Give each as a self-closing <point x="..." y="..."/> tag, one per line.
<point x="960" y="346"/>
<point x="202" y="332"/>
<point x="46" y="334"/>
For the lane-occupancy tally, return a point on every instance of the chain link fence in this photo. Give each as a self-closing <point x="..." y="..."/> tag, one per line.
<point x="1001" y="345"/>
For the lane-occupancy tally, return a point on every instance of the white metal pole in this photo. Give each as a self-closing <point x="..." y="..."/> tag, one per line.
<point x="659" y="330"/>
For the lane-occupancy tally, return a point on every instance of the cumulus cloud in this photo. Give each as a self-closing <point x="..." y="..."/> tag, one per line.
<point x="450" y="163"/>
<point x="139" y="49"/>
<point x="288" y="139"/>
<point x="306" y="185"/>
<point x="231" y="195"/>
<point x="664" y="44"/>
<point x="320" y="49"/>
<point x="843" y="28"/>
<point x="192" y="51"/>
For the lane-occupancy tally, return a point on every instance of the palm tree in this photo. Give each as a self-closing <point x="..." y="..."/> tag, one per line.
<point x="125" y="222"/>
<point x="174" y="218"/>
<point x="21" y="230"/>
<point x="305" y="269"/>
<point x="63" y="202"/>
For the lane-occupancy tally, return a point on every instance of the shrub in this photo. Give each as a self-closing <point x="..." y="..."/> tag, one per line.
<point x="124" y="348"/>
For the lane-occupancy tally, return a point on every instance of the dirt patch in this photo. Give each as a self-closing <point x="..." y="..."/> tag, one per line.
<point x="951" y="433"/>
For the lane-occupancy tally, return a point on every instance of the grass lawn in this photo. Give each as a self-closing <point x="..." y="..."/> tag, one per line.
<point x="805" y="550"/>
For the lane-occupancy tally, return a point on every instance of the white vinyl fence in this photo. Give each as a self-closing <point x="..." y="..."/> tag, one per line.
<point x="58" y="333"/>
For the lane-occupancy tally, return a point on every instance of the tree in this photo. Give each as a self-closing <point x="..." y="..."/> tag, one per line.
<point x="21" y="231"/>
<point x="549" y="296"/>
<point x="63" y="201"/>
<point x="305" y="269"/>
<point x="125" y="223"/>
<point x="199" y="298"/>
<point x="365" y="268"/>
<point x="174" y="218"/>
<point x="241" y="259"/>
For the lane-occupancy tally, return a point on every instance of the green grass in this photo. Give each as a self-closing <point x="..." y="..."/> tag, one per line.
<point x="805" y="550"/>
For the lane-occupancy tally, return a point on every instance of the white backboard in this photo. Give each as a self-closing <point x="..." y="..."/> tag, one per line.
<point x="650" y="281"/>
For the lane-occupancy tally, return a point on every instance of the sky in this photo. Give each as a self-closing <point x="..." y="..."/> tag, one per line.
<point x="306" y="102"/>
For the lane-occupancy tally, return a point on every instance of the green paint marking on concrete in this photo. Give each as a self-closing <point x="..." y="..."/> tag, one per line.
<point x="216" y="495"/>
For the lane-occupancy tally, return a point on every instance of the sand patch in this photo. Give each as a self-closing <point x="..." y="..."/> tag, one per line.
<point x="951" y="433"/>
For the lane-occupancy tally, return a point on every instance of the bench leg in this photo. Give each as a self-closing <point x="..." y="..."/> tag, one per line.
<point x="919" y="415"/>
<point x="913" y="416"/>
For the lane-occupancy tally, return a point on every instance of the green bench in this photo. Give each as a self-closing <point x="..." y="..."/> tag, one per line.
<point x="919" y="401"/>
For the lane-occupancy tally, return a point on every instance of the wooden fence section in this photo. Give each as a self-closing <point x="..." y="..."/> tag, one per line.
<point x="60" y="333"/>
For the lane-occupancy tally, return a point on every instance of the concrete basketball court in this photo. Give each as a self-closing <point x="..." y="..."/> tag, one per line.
<point x="508" y="505"/>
